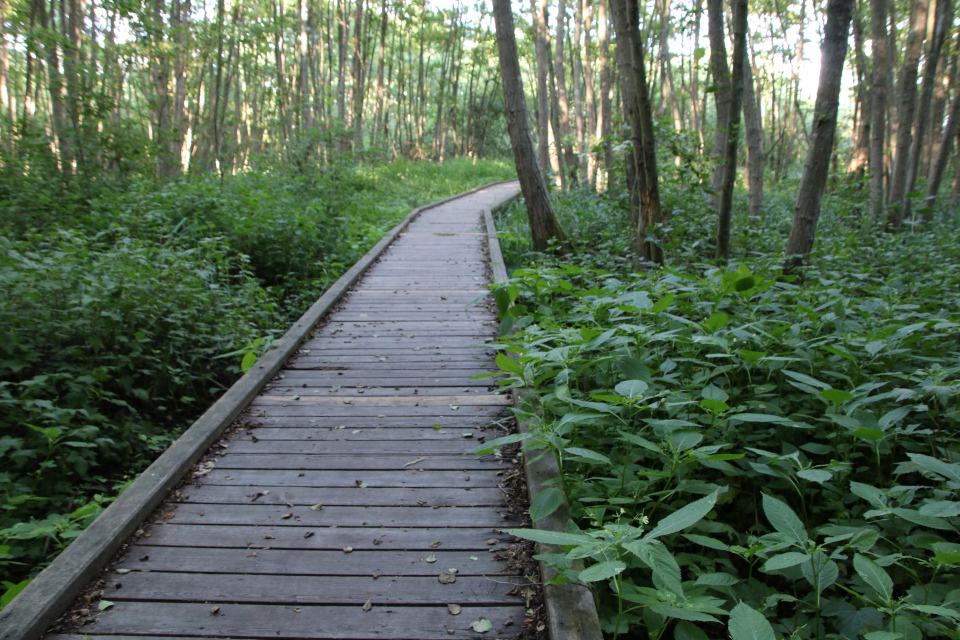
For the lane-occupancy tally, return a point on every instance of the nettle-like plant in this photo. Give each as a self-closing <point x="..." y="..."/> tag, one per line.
<point x="795" y="446"/>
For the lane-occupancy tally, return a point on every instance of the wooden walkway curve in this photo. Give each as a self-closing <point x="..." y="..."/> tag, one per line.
<point x="344" y="508"/>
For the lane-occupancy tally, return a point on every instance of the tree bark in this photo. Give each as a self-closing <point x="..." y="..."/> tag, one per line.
<point x="878" y="105"/>
<point x="861" y="148"/>
<point x="359" y="67"/>
<point x="559" y="66"/>
<point x="942" y="21"/>
<point x="753" y="129"/>
<point x="739" y="9"/>
<point x="539" y="8"/>
<point x="939" y="166"/>
<point x="6" y="104"/>
<point x="626" y="20"/>
<point x="833" y="51"/>
<point x="907" y="112"/>
<point x="604" y="129"/>
<point x="546" y="232"/>
<point x="578" y="105"/>
<point x="721" y="97"/>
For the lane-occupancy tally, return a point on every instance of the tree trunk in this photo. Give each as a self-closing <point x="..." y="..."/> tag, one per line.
<point x="59" y="122"/>
<point x="306" y="122"/>
<point x="939" y="166"/>
<point x="379" y="119"/>
<point x="626" y="20"/>
<point x="180" y="31"/>
<point x="359" y="66"/>
<point x="604" y="129"/>
<point x="558" y="154"/>
<point x="878" y="105"/>
<point x="753" y="129"/>
<point x="578" y="90"/>
<point x="569" y="159"/>
<point x="721" y="97"/>
<point x="833" y="51"/>
<point x="907" y="111"/>
<point x="592" y="134"/>
<point x="539" y="8"/>
<point x="943" y="20"/>
<point x="861" y="149"/>
<point x="343" y="40"/>
<point x="739" y="8"/>
<point x="545" y="230"/>
<point x="6" y="105"/>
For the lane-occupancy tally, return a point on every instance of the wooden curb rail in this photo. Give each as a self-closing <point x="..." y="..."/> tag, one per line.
<point x="52" y="592"/>
<point x="571" y="608"/>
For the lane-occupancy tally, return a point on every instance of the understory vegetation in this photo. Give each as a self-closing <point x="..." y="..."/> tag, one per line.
<point x="744" y="452"/>
<point x="128" y="308"/>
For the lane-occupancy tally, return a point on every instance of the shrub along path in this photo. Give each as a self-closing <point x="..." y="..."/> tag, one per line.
<point x="345" y="508"/>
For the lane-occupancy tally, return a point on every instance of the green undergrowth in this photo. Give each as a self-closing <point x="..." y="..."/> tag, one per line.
<point x="747" y="455"/>
<point x="127" y="309"/>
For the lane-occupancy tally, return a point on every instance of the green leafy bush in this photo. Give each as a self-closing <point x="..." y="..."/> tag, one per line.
<point x="747" y="456"/>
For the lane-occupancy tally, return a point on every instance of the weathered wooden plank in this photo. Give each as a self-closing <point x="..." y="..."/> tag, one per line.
<point x="306" y="378"/>
<point x="168" y="619"/>
<point x="316" y="590"/>
<point x="349" y="410"/>
<point x="409" y="477"/>
<point x="313" y="562"/>
<point x="424" y="540"/>
<point x="327" y="434"/>
<point x="344" y="496"/>
<point x="341" y="516"/>
<point x="356" y="447"/>
<point x="357" y="462"/>
<point x="368" y="422"/>
<point x="384" y="401"/>
<point x="389" y="392"/>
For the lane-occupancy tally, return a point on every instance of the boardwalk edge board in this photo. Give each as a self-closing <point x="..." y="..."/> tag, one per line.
<point x="50" y="594"/>
<point x="571" y="607"/>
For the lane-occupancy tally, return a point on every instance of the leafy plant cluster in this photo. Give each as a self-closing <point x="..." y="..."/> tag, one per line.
<point x="128" y="309"/>
<point x="745" y="454"/>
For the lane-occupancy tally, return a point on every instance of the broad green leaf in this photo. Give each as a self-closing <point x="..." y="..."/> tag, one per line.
<point x="815" y="475"/>
<point x="936" y="611"/>
<point x="820" y="572"/>
<point x="716" y="322"/>
<point x="784" y="519"/>
<point x="759" y="417"/>
<point x="249" y="359"/>
<point x="683" y="440"/>
<point x="589" y="455"/>
<point x="876" y="497"/>
<point x="666" y="571"/>
<point x="893" y="417"/>
<point x="684" y="517"/>
<point x="865" y="433"/>
<point x="706" y="541"/>
<point x="949" y="470"/>
<point x="631" y="388"/>
<point x="551" y="537"/>
<point x="746" y="623"/>
<point x="745" y="284"/>
<point x="545" y="503"/>
<point x="508" y="364"/>
<point x="663" y="303"/>
<point x="940" y="509"/>
<point x="602" y="571"/>
<point x="805" y="379"/>
<point x="785" y="561"/>
<point x="487" y="447"/>
<point x="883" y="635"/>
<point x="718" y="579"/>
<point x="836" y="396"/>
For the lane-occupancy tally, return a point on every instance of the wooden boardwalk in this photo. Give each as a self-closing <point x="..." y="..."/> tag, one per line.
<point x="344" y="508"/>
